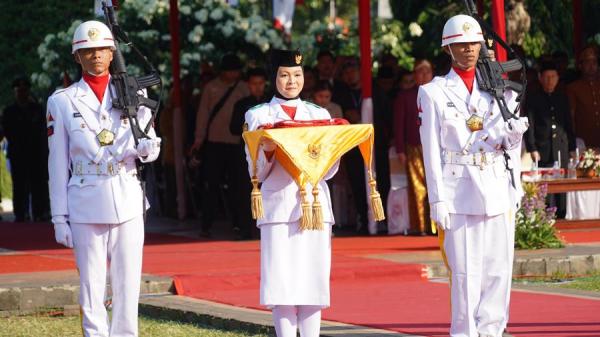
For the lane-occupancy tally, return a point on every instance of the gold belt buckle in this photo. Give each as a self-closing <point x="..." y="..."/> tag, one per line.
<point x="110" y="169"/>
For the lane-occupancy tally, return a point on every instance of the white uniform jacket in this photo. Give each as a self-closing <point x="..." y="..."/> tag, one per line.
<point x="90" y="183"/>
<point x="445" y="105"/>
<point x="280" y="193"/>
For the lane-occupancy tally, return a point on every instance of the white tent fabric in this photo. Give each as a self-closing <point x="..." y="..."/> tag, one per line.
<point x="283" y="12"/>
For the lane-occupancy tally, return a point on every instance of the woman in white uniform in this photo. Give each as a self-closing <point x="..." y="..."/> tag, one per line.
<point x="295" y="264"/>
<point x="470" y="192"/>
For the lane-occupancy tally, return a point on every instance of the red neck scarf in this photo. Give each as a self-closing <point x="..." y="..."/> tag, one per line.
<point x="467" y="76"/>
<point x="289" y="110"/>
<point x="97" y="84"/>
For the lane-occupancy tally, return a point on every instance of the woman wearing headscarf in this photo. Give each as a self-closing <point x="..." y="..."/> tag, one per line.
<point x="295" y="263"/>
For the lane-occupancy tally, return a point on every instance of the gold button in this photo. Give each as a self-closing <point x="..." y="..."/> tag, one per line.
<point x="103" y="117"/>
<point x="82" y="126"/>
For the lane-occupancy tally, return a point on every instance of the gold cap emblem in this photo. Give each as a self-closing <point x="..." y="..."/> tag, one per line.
<point x="466" y="27"/>
<point x="298" y="59"/>
<point x="93" y="34"/>
<point x="314" y="150"/>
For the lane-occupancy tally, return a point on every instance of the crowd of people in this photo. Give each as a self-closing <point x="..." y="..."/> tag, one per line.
<point x="559" y="108"/>
<point x="562" y="103"/>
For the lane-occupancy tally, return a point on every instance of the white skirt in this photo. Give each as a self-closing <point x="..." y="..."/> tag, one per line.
<point x="294" y="265"/>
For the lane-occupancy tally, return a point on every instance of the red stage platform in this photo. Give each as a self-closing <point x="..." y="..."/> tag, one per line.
<point x="366" y="289"/>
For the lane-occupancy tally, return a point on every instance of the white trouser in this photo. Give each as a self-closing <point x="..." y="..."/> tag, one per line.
<point x="480" y="253"/>
<point x="288" y="319"/>
<point x="120" y="245"/>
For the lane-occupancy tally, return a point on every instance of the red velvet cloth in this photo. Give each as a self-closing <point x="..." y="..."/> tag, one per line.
<point x="289" y="110"/>
<point x="299" y="124"/>
<point x="97" y="84"/>
<point x="468" y="77"/>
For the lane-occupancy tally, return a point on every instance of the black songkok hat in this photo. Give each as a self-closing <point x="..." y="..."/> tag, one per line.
<point x="285" y="58"/>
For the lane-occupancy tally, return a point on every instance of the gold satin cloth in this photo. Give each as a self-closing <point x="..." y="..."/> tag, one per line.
<point x="308" y="153"/>
<point x="418" y="204"/>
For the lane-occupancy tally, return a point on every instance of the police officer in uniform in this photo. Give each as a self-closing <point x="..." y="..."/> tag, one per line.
<point x="471" y="196"/>
<point x="96" y="198"/>
<point x="295" y="264"/>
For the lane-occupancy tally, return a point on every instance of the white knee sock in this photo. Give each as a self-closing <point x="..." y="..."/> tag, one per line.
<point x="309" y="320"/>
<point x="285" y="320"/>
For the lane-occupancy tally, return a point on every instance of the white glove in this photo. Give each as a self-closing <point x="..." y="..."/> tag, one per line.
<point x="148" y="147"/>
<point x="62" y="231"/>
<point x="440" y="214"/>
<point x="268" y="145"/>
<point x="516" y="131"/>
<point x="519" y="126"/>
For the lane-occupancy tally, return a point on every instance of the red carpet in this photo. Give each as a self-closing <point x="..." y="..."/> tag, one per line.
<point x="365" y="290"/>
<point x="22" y="263"/>
<point x="583" y="236"/>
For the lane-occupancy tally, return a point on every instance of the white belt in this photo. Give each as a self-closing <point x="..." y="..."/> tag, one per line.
<point x="481" y="159"/>
<point x="81" y="168"/>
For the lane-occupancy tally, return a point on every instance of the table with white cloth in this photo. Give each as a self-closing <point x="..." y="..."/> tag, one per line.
<point x="583" y="201"/>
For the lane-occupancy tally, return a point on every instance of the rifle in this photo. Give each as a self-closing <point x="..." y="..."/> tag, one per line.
<point x="490" y="72"/>
<point x="128" y="95"/>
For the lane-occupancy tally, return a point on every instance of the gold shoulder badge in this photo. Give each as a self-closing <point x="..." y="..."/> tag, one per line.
<point x="314" y="151"/>
<point x="93" y="34"/>
<point x="298" y="59"/>
<point x="466" y="27"/>
<point x="245" y="127"/>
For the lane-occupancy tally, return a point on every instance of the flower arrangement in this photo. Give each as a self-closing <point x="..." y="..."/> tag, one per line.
<point x="534" y="221"/>
<point x="388" y="35"/>
<point x="589" y="164"/>
<point x="209" y="29"/>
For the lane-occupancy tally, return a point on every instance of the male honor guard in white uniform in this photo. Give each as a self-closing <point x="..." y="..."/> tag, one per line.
<point x="96" y="198"/>
<point x="472" y="200"/>
<point x="295" y="263"/>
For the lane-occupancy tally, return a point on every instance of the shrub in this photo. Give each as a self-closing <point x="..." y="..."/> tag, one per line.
<point x="534" y="221"/>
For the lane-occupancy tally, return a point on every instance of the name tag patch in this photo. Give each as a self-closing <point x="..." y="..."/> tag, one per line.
<point x="77" y="114"/>
<point x="450" y="105"/>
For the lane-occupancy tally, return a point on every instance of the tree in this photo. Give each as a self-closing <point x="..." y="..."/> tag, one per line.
<point x="21" y="37"/>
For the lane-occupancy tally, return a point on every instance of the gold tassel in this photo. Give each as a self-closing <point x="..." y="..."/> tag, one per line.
<point x="256" y="200"/>
<point x="376" y="205"/>
<point x="306" y="218"/>
<point x="317" y="210"/>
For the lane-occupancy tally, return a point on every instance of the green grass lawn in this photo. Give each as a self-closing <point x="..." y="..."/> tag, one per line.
<point x="61" y="326"/>
<point x="589" y="283"/>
